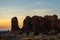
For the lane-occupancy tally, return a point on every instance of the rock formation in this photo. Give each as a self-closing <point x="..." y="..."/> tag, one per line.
<point x="14" y="24"/>
<point x="41" y="24"/>
<point x="52" y="22"/>
<point x="27" y="24"/>
<point x="37" y="24"/>
<point x="58" y="26"/>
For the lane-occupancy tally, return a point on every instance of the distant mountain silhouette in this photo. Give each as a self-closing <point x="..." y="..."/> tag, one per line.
<point x="37" y="24"/>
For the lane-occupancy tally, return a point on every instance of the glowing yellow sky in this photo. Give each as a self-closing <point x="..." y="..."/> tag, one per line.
<point x="6" y="23"/>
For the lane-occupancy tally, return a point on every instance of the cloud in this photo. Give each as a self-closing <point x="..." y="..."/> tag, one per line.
<point x="11" y="12"/>
<point x="40" y="3"/>
<point x="41" y="12"/>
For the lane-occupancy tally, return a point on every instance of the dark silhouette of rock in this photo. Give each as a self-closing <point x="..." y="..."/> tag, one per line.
<point x="54" y="20"/>
<point x="38" y="24"/>
<point x="51" y="22"/>
<point x="35" y="23"/>
<point x="27" y="24"/>
<point x="14" y="24"/>
<point x="58" y="26"/>
<point x="47" y="23"/>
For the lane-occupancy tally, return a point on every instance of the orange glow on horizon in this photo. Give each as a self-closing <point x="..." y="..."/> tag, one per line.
<point x="6" y="23"/>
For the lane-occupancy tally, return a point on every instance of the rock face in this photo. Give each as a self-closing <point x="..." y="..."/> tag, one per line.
<point x="27" y="24"/>
<point x="41" y="24"/>
<point x="58" y="26"/>
<point x="37" y="24"/>
<point x="54" y="21"/>
<point x="14" y="24"/>
<point x="51" y="22"/>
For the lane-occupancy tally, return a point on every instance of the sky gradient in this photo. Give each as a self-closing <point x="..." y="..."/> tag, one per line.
<point x="23" y="8"/>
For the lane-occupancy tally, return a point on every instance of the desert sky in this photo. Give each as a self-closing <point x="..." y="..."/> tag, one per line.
<point x="23" y="8"/>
